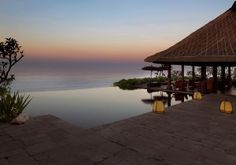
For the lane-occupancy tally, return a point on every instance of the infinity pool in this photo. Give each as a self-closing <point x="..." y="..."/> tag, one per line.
<point x="90" y="107"/>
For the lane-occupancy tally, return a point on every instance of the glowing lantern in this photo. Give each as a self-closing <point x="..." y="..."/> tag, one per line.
<point x="226" y="107"/>
<point x="197" y="96"/>
<point x="159" y="107"/>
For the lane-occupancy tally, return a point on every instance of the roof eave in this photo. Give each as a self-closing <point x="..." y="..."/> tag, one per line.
<point x="194" y="60"/>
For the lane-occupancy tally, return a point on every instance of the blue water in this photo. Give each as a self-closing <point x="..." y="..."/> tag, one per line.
<point x="80" y="94"/>
<point x="51" y="77"/>
<point x="84" y="95"/>
<point x="89" y="107"/>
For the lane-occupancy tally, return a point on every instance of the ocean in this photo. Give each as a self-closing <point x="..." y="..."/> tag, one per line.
<point x="51" y="77"/>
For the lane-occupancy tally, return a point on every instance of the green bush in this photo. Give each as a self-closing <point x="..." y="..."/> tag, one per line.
<point x="134" y="83"/>
<point x="12" y="105"/>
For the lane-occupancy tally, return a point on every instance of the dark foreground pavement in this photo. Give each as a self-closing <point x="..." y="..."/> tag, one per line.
<point x="191" y="133"/>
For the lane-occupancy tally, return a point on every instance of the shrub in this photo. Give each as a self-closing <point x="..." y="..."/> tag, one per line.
<point x="134" y="83"/>
<point x="12" y="105"/>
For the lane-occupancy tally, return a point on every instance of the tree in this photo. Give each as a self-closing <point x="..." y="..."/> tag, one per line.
<point x="10" y="54"/>
<point x="11" y="104"/>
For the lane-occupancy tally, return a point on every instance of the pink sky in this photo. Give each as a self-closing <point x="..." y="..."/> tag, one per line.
<point x="107" y="30"/>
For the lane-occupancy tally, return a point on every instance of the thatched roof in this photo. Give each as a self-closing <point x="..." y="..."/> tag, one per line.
<point x="213" y="43"/>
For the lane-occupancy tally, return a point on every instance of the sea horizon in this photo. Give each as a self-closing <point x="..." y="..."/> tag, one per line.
<point x="70" y="76"/>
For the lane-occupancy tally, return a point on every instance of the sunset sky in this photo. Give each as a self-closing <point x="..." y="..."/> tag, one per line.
<point x="103" y="30"/>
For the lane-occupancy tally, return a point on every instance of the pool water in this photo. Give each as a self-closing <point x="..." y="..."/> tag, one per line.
<point x="91" y="107"/>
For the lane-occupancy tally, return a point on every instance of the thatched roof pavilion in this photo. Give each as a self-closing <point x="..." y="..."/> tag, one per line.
<point x="215" y="42"/>
<point x="212" y="45"/>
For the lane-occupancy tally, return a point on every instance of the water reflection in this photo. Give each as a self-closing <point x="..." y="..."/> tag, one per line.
<point x="93" y="107"/>
<point x="89" y="107"/>
<point x="168" y="99"/>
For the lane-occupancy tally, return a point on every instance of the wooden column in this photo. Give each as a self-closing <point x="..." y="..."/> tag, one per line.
<point x="203" y="85"/>
<point x="215" y="78"/>
<point x="169" y="76"/>
<point x="193" y="73"/>
<point x="182" y="72"/>
<point x="150" y="80"/>
<point x="169" y="99"/>
<point x="229" y="70"/>
<point x="229" y="78"/>
<point x="203" y="72"/>
<point x="169" y="84"/>
<point x="223" y="78"/>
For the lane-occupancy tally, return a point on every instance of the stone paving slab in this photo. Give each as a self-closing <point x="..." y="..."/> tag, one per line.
<point x="192" y="133"/>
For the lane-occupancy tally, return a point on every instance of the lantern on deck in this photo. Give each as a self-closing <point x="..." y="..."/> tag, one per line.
<point x="197" y="96"/>
<point x="226" y="107"/>
<point x="158" y="107"/>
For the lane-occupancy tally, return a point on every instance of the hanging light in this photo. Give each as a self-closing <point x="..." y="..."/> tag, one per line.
<point x="226" y="107"/>
<point x="197" y="96"/>
<point x="158" y="107"/>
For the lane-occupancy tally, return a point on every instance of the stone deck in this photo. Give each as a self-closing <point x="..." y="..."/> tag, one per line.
<point x="192" y="133"/>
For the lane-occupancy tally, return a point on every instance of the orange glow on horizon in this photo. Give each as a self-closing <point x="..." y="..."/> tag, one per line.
<point x="106" y="30"/>
<point x="98" y="51"/>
